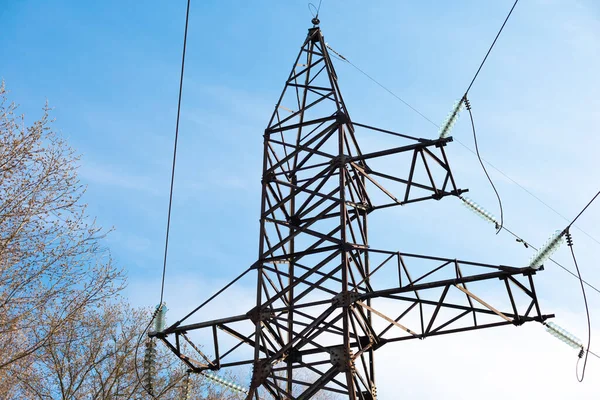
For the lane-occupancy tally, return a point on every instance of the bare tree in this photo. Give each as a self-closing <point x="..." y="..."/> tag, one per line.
<point x="51" y="263"/>
<point x="64" y="331"/>
<point x="94" y="357"/>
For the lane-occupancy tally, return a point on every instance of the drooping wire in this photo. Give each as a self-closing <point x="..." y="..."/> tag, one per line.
<point x="569" y="238"/>
<point x="587" y="310"/>
<point x="465" y="99"/>
<point x="555" y="211"/>
<point x="164" y="270"/>
<point x="466" y="102"/>
<point x="468" y="106"/>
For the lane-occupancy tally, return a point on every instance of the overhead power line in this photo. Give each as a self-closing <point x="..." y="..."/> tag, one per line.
<point x="160" y="305"/>
<point x="468" y="106"/>
<point x="341" y="57"/>
<point x="587" y="309"/>
<point x="584" y="208"/>
<point x="491" y="47"/>
<point x="162" y="285"/>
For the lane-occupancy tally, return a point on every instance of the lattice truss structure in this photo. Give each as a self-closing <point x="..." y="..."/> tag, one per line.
<point x="326" y="301"/>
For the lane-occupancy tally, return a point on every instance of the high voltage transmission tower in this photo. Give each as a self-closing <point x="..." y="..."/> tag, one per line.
<point x="326" y="299"/>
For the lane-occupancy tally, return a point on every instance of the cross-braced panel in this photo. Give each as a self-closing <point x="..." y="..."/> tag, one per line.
<point x="325" y="299"/>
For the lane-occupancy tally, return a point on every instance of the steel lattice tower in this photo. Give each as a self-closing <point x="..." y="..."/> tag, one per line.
<point x="326" y="300"/>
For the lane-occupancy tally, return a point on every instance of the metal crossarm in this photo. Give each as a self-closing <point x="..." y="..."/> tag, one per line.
<point x="326" y="301"/>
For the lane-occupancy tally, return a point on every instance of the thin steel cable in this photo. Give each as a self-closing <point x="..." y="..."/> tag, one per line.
<point x="468" y="106"/>
<point x="584" y="208"/>
<point x="548" y="206"/>
<point x="162" y="285"/>
<point x="594" y="354"/>
<point x="587" y="310"/>
<point x="491" y="47"/>
<point x="382" y="86"/>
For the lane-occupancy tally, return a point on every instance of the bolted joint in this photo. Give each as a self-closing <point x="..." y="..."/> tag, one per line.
<point x="339" y="161"/>
<point x="294" y="356"/>
<point x="367" y="340"/>
<point x="365" y="211"/>
<point x="294" y="220"/>
<point x="342" y="118"/>
<point x="342" y="358"/>
<point x="372" y="395"/>
<point x="268" y="176"/>
<point x="458" y="192"/>
<point x="362" y="208"/>
<point x="258" y="315"/>
<point x="260" y="372"/>
<point x="443" y="142"/>
<point x="353" y="246"/>
<point x="437" y="195"/>
<point x="531" y="271"/>
<point x="381" y="342"/>
<point x="345" y="299"/>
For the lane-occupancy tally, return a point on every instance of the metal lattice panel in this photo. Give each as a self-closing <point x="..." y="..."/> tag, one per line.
<point x="326" y="301"/>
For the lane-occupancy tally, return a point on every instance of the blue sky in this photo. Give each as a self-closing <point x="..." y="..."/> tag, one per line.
<point x="110" y="69"/>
